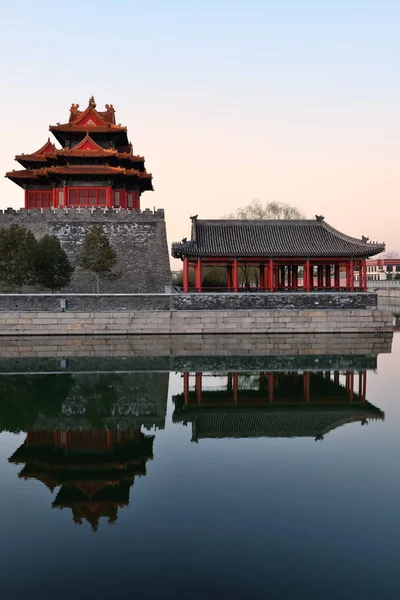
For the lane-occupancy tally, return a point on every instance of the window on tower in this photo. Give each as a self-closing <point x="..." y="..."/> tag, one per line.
<point x="87" y="196"/>
<point x="40" y="199"/>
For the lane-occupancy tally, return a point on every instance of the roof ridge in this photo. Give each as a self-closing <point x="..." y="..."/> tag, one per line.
<point x="258" y="221"/>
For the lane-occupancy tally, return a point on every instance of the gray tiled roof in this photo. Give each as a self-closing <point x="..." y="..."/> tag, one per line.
<point x="271" y="238"/>
<point x="273" y="421"/>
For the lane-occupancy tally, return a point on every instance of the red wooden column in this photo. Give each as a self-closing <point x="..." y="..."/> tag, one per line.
<point x="328" y="281"/>
<point x="351" y="274"/>
<point x="108" y="197"/>
<point x="364" y="269"/>
<point x="351" y="386"/>
<point x="306" y="276"/>
<point x="198" y="275"/>
<point x="235" y="387"/>
<point x="270" y="281"/>
<point x="320" y="276"/>
<point x="54" y="197"/>
<point x="66" y="199"/>
<point x="306" y="386"/>
<point x="290" y="276"/>
<point x="185" y="275"/>
<point x="295" y="277"/>
<point x="26" y="199"/>
<point x="198" y="382"/>
<point x="235" y="275"/>
<point x="186" y="387"/>
<point x="337" y="277"/>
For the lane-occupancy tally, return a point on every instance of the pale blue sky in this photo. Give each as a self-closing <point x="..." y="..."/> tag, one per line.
<point x="293" y="100"/>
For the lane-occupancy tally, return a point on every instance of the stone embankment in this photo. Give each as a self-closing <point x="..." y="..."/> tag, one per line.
<point x="171" y="314"/>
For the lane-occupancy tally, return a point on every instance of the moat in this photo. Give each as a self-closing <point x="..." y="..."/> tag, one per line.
<point x="219" y="472"/>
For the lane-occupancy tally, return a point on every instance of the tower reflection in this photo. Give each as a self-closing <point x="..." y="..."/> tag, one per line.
<point x="274" y="404"/>
<point x="88" y="443"/>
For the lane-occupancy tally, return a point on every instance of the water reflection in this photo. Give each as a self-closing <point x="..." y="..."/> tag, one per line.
<point x="95" y="469"/>
<point x="84" y="435"/>
<point x="275" y="404"/>
<point x="84" y="431"/>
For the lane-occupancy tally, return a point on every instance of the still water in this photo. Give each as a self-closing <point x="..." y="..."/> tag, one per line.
<point x="278" y="480"/>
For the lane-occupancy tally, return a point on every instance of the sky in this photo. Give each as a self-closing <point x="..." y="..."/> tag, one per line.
<point x="292" y="101"/>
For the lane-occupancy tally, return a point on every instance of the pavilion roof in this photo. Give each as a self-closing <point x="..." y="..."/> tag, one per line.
<point x="271" y="238"/>
<point x="273" y="421"/>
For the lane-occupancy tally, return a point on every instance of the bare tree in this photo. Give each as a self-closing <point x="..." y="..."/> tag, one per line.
<point x="256" y="210"/>
<point x="391" y="254"/>
<point x="270" y="210"/>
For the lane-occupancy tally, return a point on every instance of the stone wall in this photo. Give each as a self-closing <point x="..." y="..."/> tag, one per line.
<point x="192" y="302"/>
<point x="139" y="239"/>
<point x="196" y="322"/>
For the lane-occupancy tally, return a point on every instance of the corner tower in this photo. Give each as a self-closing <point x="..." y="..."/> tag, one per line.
<point x="95" y="166"/>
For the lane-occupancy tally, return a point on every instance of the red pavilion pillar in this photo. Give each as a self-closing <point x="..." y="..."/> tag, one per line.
<point x="198" y="275"/>
<point x="271" y="275"/>
<point x="186" y="386"/>
<point x="270" y="387"/>
<point x="320" y="276"/>
<point x="186" y="275"/>
<point x="54" y="197"/>
<point x="295" y="277"/>
<point x="306" y="386"/>
<point x="364" y="268"/>
<point x="306" y="275"/>
<point x="235" y="387"/>
<point x="337" y="277"/>
<point x="198" y="385"/>
<point x="351" y="274"/>
<point x="235" y="275"/>
<point x="26" y="199"/>
<point x="328" y="281"/>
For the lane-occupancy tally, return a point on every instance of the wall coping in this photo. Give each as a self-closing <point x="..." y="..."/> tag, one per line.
<point x="189" y="295"/>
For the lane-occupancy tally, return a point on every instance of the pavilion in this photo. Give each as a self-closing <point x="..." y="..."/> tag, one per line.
<point x="273" y="404"/>
<point x="288" y="255"/>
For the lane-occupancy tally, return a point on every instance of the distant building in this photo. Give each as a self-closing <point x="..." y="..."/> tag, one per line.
<point x="383" y="268"/>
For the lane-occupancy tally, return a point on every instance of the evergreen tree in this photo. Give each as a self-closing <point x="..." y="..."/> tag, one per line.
<point x="97" y="257"/>
<point x="17" y="248"/>
<point x="52" y="269"/>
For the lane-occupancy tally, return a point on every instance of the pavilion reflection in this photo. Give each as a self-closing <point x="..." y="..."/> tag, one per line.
<point x="275" y="404"/>
<point x="88" y="447"/>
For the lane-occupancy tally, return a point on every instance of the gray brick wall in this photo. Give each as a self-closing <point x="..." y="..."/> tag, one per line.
<point x="139" y="239"/>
